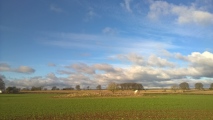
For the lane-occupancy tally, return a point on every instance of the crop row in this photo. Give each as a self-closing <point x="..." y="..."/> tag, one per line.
<point x="45" y="106"/>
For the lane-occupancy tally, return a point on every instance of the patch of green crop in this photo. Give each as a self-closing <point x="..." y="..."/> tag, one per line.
<point x="41" y="106"/>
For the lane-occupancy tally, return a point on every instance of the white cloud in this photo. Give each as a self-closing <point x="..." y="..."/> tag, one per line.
<point x="24" y="69"/>
<point x="55" y="8"/>
<point x="159" y="62"/>
<point x="202" y="62"/>
<point x="104" y="67"/>
<point x="81" y="68"/>
<point x="51" y="76"/>
<point x="158" y="8"/>
<point x="64" y="72"/>
<point x="152" y="60"/>
<point x="179" y="56"/>
<point x="126" y="5"/>
<point x="205" y="57"/>
<point x="151" y="71"/>
<point x="184" y="14"/>
<point x="91" y="14"/>
<point x="4" y="67"/>
<point x="110" y="31"/>
<point x="199" y="65"/>
<point x="132" y="57"/>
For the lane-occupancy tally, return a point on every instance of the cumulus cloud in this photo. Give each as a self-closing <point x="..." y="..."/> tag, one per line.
<point x="81" y="68"/>
<point x="132" y="57"/>
<point x="104" y="67"/>
<point x="202" y="62"/>
<point x="4" y="67"/>
<point x="198" y="65"/>
<point x="64" y="72"/>
<point x="159" y="62"/>
<point x="180" y="57"/>
<point x="184" y="14"/>
<point x="51" y="76"/>
<point x="151" y="71"/>
<point x="48" y="81"/>
<point x="88" y="69"/>
<point x="147" y="74"/>
<point x="24" y="69"/>
<point x="152" y="60"/>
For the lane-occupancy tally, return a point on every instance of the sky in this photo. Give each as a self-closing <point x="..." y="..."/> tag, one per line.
<point x="158" y="43"/>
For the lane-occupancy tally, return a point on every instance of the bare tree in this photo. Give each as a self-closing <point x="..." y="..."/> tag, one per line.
<point x="77" y="87"/>
<point x="55" y="88"/>
<point x="199" y="86"/>
<point x="2" y="84"/>
<point x="25" y="89"/>
<point x="174" y="87"/>
<point x="211" y="86"/>
<point x="112" y="87"/>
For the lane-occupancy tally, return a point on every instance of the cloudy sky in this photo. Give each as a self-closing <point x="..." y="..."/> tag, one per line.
<point x="71" y="42"/>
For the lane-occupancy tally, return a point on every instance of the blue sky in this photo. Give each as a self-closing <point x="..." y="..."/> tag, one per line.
<point x="70" y="42"/>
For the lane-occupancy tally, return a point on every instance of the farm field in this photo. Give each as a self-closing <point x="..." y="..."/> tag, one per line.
<point x="150" y="106"/>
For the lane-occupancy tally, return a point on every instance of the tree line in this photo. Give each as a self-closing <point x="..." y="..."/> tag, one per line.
<point x="111" y="86"/>
<point x="124" y="86"/>
<point x="136" y="86"/>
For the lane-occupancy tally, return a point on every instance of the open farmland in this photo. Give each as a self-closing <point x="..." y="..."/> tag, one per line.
<point x="150" y="106"/>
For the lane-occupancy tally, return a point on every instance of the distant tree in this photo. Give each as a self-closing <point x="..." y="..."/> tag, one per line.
<point x="211" y="86"/>
<point x="112" y="87"/>
<point x="12" y="90"/>
<point x="25" y="89"/>
<point x="2" y="84"/>
<point x="36" y="88"/>
<point x="131" y="86"/>
<point x="199" y="86"/>
<point x="137" y="86"/>
<point x="174" y="87"/>
<point x="98" y="87"/>
<point x="77" y="87"/>
<point x="164" y="89"/>
<point x="184" y="86"/>
<point x="55" y="88"/>
<point x="44" y="88"/>
<point x="87" y="87"/>
<point x="68" y="88"/>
